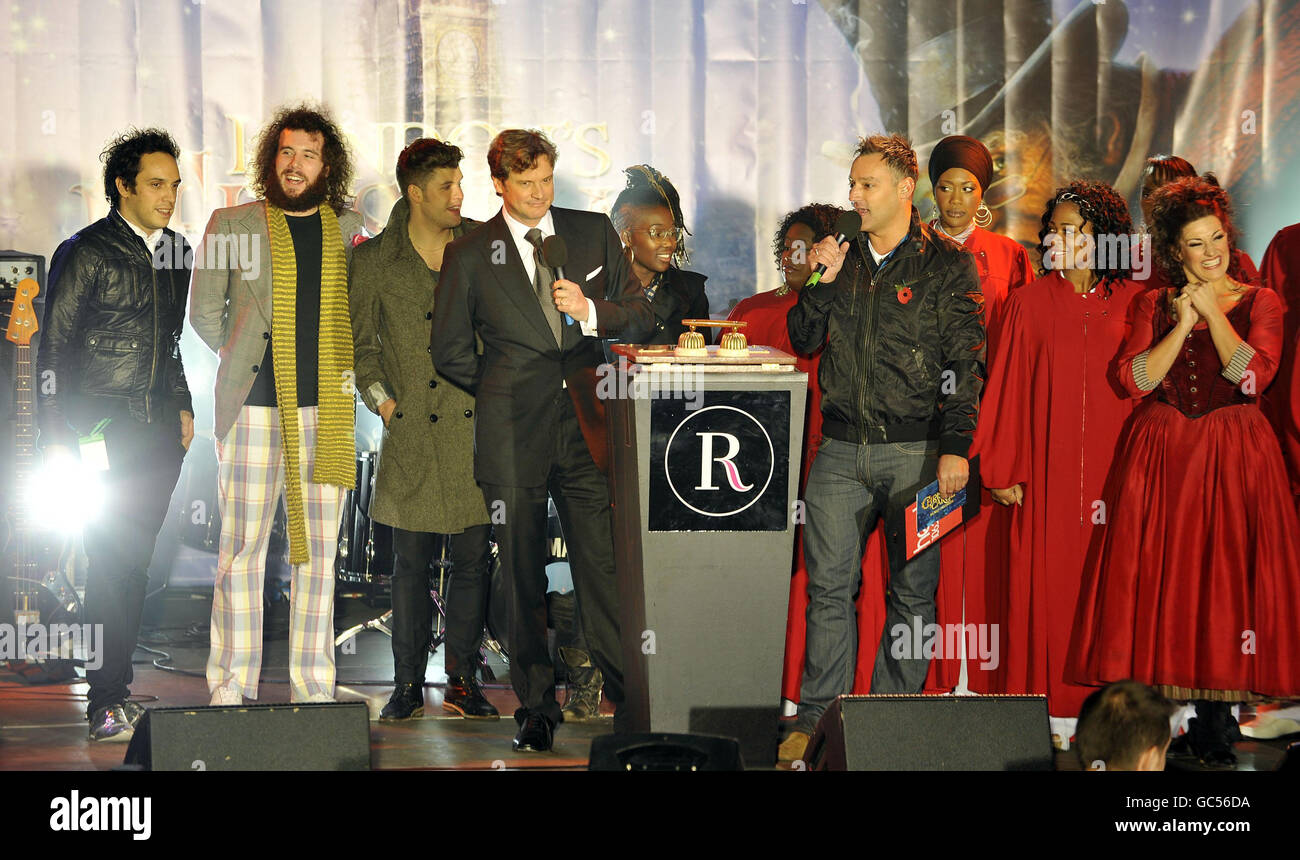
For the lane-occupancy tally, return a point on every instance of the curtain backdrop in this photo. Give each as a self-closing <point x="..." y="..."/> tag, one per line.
<point x="751" y="107"/>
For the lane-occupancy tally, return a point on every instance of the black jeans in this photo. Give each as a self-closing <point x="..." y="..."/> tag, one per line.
<point x="466" y="601"/>
<point x="144" y="462"/>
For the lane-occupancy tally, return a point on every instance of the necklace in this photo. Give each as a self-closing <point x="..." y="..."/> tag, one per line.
<point x="961" y="237"/>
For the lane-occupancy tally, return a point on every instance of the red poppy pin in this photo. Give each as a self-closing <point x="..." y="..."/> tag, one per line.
<point x="359" y="238"/>
<point x="904" y="293"/>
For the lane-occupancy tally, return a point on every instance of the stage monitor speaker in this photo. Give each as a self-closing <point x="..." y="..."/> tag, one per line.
<point x="657" y="751"/>
<point x="888" y="732"/>
<point x="326" y="736"/>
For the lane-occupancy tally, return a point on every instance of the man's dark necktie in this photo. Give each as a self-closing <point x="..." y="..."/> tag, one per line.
<point x="543" y="279"/>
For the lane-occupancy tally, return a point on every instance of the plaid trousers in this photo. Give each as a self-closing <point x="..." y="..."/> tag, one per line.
<point x="250" y="483"/>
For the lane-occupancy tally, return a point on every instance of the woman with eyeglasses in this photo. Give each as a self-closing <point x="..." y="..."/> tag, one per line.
<point x="1158" y="172"/>
<point x="1049" y="425"/>
<point x="1197" y="592"/>
<point x="648" y="218"/>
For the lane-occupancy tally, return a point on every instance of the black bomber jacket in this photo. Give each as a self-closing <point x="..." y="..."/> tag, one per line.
<point x="110" y="340"/>
<point x="904" y="358"/>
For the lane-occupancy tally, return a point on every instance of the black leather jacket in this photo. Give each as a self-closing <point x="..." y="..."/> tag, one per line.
<point x="904" y="359"/>
<point x="110" y="341"/>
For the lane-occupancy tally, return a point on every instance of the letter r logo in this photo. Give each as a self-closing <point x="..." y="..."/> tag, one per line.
<point x="707" y="460"/>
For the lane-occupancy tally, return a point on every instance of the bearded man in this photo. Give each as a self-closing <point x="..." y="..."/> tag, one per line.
<point x="284" y="395"/>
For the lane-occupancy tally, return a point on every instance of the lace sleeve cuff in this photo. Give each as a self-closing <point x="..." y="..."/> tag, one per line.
<point x="1236" y="366"/>
<point x="1140" y="378"/>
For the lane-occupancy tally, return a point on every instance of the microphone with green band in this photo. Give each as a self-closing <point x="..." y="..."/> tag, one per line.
<point x="847" y="226"/>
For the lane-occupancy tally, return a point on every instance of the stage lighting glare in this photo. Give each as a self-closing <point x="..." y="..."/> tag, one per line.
<point x="65" y="495"/>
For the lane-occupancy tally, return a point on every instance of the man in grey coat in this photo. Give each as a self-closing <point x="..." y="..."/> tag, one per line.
<point x="425" y="484"/>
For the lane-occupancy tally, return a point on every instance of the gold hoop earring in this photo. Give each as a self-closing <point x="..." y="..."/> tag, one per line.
<point x="983" y="216"/>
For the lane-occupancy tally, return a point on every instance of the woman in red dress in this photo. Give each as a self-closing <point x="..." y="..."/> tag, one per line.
<point x="1197" y="590"/>
<point x="765" y="314"/>
<point x="1049" y="425"/>
<point x="960" y="169"/>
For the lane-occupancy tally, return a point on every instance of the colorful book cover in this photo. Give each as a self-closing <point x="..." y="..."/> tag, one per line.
<point x="932" y="516"/>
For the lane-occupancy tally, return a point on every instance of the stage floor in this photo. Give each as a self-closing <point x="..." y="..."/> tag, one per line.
<point x="43" y="728"/>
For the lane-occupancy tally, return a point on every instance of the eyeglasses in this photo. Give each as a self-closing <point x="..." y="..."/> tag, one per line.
<point x="656" y="233"/>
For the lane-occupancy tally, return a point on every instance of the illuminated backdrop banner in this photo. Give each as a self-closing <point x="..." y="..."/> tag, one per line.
<point x="750" y="106"/>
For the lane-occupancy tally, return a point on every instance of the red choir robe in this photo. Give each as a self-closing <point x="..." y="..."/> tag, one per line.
<point x="1052" y="417"/>
<point x="1291" y="439"/>
<point x="1004" y="266"/>
<point x="765" y="314"/>
<point x="1280" y="270"/>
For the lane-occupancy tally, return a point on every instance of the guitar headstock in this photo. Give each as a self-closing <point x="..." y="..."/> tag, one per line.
<point x="22" y="320"/>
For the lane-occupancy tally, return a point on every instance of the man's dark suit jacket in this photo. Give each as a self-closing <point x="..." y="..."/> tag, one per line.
<point x="484" y="289"/>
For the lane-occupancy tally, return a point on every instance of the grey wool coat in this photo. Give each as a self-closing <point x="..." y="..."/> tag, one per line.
<point x="425" y="480"/>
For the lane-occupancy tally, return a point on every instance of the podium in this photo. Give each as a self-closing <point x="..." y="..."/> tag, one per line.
<point x="705" y="461"/>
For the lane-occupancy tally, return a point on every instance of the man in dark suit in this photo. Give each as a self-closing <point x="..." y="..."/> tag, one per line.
<point x="540" y="427"/>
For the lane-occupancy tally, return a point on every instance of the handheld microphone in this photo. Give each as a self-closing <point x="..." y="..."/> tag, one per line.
<point x="554" y="255"/>
<point x="847" y="226"/>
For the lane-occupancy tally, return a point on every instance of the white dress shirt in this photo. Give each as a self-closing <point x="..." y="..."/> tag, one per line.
<point x="151" y="239"/>
<point x="519" y="232"/>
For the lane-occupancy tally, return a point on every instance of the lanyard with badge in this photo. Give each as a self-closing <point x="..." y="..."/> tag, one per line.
<point x="94" y="452"/>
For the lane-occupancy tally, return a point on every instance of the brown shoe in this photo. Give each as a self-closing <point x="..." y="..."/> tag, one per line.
<point x="792" y="748"/>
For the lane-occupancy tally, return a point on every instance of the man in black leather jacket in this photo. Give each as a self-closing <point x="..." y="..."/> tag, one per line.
<point x="109" y="364"/>
<point x="900" y="312"/>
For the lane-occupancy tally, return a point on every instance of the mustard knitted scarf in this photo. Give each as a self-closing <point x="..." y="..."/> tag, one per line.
<point x="335" y="461"/>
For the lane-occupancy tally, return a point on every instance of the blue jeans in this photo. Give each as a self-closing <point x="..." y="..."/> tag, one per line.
<point x="849" y="488"/>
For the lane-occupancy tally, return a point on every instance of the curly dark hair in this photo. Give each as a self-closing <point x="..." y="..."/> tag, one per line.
<point x="336" y="155"/>
<point x="1178" y="204"/>
<point x="820" y="218"/>
<point x="1103" y="208"/>
<point x="122" y="157"/>
<point x="646" y="188"/>
<point x="421" y="157"/>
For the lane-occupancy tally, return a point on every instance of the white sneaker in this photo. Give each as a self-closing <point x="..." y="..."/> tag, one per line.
<point x="226" y="696"/>
<point x="314" y="698"/>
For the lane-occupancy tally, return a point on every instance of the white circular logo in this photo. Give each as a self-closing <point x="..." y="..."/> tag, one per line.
<point x="719" y="461"/>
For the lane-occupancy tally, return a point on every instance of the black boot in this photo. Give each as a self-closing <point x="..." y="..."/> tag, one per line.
<point x="407" y="701"/>
<point x="463" y="696"/>
<point x="582" y="692"/>
<point x="1209" y="734"/>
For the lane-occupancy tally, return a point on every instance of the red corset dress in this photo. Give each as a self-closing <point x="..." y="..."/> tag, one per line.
<point x="1198" y="591"/>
